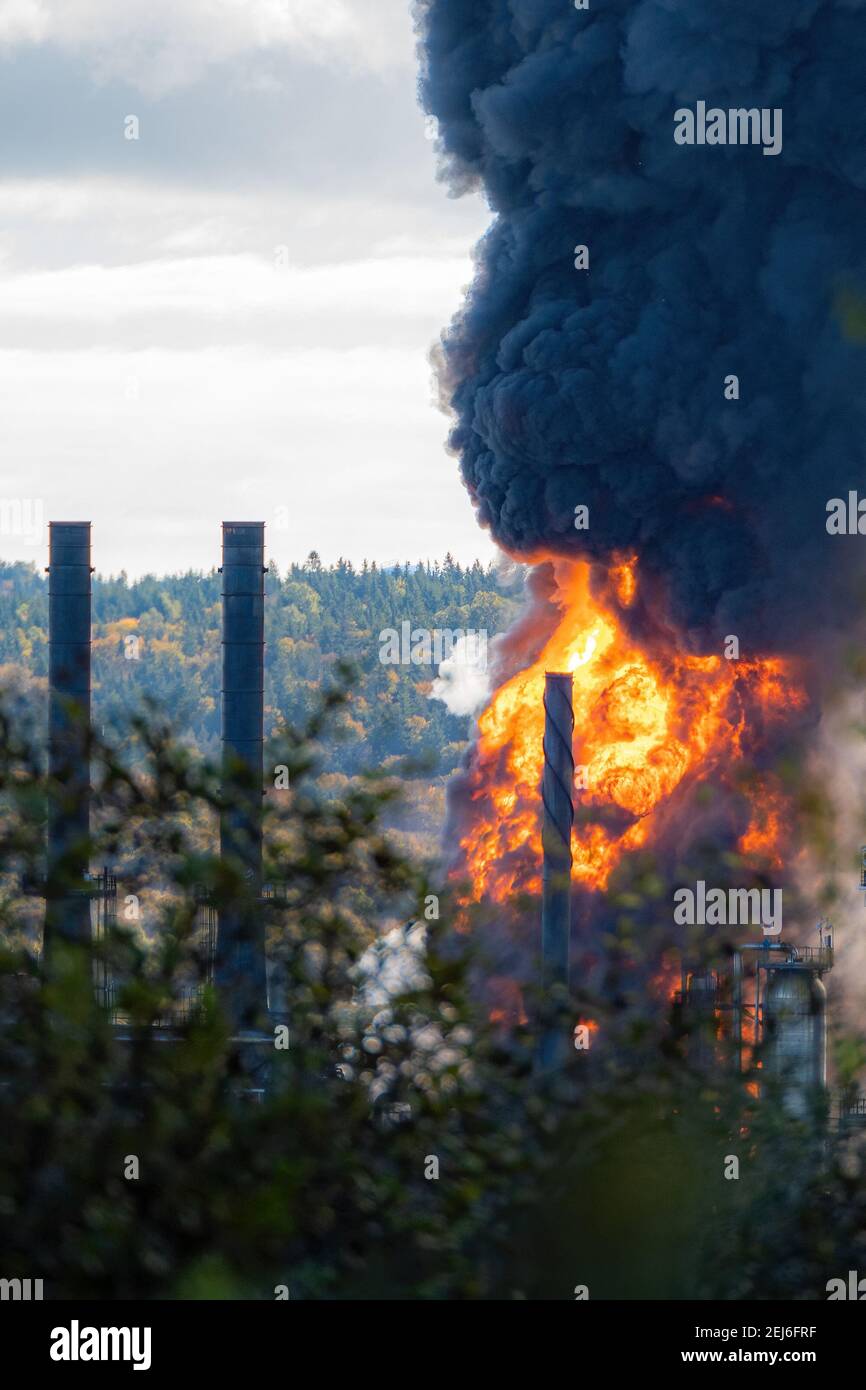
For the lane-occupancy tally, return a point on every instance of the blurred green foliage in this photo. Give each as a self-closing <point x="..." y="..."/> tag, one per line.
<point x="607" y="1173"/>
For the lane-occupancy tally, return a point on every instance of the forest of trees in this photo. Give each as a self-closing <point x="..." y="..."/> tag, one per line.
<point x="160" y="637"/>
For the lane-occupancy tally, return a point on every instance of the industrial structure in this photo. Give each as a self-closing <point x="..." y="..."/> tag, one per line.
<point x="770" y="1000"/>
<point x="67" y="911"/>
<point x="240" y="966"/>
<point x="771" y="997"/>
<point x="233" y="939"/>
<point x="557" y="795"/>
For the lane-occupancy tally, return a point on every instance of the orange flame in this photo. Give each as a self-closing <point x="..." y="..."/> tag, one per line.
<point x="506" y="999"/>
<point x="762" y="838"/>
<point x="643" y="723"/>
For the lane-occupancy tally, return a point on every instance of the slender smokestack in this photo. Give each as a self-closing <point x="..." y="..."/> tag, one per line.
<point x="68" y="902"/>
<point x="558" y="798"/>
<point x="240" y="960"/>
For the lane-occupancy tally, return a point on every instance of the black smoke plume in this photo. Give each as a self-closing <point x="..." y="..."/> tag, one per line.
<point x="606" y="387"/>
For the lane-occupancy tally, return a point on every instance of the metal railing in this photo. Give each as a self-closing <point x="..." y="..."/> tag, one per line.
<point x="182" y="1009"/>
<point x="102" y="889"/>
<point x="819" y="957"/>
<point x="103" y="894"/>
<point x="108" y="988"/>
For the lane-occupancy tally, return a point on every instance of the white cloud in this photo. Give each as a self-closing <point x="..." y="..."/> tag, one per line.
<point x="164" y="44"/>
<point x="157" y="447"/>
<point x="160" y="369"/>
<point x="62" y="222"/>
<point x="234" y="289"/>
<point x="22" y="21"/>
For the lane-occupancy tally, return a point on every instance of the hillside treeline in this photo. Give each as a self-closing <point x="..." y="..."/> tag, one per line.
<point x="160" y="637"/>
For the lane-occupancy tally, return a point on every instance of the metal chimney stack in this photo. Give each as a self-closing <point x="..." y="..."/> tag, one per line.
<point x="558" y="799"/>
<point x="241" y="974"/>
<point x="67" y="912"/>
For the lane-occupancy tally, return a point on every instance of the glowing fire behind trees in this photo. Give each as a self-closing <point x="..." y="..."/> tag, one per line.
<point x="644" y="722"/>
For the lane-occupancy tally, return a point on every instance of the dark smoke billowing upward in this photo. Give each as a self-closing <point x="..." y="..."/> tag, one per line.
<point x="606" y="387"/>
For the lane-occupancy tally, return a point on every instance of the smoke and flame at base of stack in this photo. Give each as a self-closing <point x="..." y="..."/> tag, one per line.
<point x="647" y="723"/>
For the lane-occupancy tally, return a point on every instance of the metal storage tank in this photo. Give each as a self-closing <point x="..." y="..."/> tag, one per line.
<point x="795" y="1036"/>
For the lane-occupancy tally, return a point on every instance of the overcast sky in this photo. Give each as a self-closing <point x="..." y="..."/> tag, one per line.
<point x="229" y="317"/>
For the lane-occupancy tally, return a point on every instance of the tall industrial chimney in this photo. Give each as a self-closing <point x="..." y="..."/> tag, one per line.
<point x="558" y="799"/>
<point x="241" y="974"/>
<point x="67" y="913"/>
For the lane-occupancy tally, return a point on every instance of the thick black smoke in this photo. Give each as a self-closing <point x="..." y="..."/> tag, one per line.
<point x="606" y="387"/>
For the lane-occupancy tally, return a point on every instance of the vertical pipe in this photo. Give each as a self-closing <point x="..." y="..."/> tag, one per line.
<point x="737" y="1008"/>
<point x="241" y="974"/>
<point x="67" y="908"/>
<point x="558" y="802"/>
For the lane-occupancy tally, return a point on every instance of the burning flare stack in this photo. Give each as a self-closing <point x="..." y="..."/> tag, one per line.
<point x="558" y="802"/>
